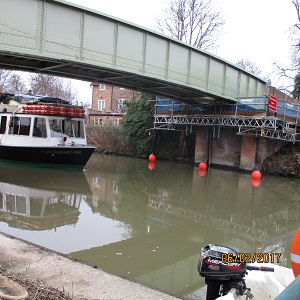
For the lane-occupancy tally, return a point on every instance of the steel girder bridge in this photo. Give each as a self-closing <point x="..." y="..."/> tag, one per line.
<point x="59" y="38"/>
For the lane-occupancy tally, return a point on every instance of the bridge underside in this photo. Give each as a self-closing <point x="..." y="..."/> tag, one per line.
<point x="90" y="73"/>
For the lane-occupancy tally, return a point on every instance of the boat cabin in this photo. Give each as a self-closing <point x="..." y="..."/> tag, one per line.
<point x="47" y="125"/>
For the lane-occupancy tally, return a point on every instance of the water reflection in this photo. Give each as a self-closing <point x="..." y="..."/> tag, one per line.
<point x="150" y="223"/>
<point x="36" y="199"/>
<point x="172" y="211"/>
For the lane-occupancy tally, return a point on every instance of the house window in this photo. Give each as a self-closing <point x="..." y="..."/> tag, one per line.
<point x="98" y="122"/>
<point x="101" y="104"/>
<point x="117" y="122"/>
<point x="121" y="103"/>
<point x="102" y="87"/>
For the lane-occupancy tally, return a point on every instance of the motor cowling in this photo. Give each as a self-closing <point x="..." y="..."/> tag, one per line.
<point x="214" y="263"/>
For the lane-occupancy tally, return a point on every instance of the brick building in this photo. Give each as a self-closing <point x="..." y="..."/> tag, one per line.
<point x="108" y="104"/>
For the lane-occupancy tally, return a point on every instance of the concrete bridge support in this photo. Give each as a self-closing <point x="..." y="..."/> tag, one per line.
<point x="223" y="147"/>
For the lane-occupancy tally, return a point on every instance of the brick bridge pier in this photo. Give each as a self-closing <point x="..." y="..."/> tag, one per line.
<point x="224" y="147"/>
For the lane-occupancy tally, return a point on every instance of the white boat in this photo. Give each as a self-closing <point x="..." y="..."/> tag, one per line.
<point x="43" y="131"/>
<point x="264" y="285"/>
<point x="230" y="275"/>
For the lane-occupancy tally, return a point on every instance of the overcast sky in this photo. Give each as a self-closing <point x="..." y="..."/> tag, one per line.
<point x="257" y="30"/>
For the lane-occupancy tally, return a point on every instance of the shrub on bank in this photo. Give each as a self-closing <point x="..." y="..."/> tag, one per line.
<point x="109" y="139"/>
<point x="168" y="145"/>
<point x="285" y="163"/>
<point x="134" y="137"/>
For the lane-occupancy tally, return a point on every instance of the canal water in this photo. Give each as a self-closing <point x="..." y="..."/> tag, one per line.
<point x="147" y="221"/>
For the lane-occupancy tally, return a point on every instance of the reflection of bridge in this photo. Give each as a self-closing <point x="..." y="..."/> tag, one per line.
<point x="202" y="218"/>
<point x="251" y="232"/>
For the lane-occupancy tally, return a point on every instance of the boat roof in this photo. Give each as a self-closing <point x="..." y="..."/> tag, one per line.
<point x="27" y="99"/>
<point x="24" y="103"/>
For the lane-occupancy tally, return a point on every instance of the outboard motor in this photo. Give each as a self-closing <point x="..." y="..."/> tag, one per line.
<point x="222" y="274"/>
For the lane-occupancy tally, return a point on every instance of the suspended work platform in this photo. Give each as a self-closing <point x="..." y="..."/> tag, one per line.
<point x="251" y="116"/>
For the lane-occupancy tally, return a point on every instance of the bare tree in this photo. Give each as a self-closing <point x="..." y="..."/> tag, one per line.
<point x="296" y="37"/>
<point x="296" y="91"/>
<point x="17" y="85"/>
<point x="249" y="66"/>
<point x="12" y="82"/>
<point x="42" y="84"/>
<point x="195" y="22"/>
<point x="4" y="76"/>
<point x="287" y="73"/>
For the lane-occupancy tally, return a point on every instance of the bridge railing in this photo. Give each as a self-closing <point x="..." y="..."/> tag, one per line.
<point x="243" y="107"/>
<point x="251" y="116"/>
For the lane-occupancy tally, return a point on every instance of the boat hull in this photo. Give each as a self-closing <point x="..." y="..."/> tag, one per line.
<point x="64" y="156"/>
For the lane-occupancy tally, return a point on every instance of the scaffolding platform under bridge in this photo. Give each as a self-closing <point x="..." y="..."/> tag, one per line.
<point x="253" y="117"/>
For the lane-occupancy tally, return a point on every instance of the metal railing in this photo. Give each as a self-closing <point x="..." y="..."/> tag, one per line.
<point x="249" y="116"/>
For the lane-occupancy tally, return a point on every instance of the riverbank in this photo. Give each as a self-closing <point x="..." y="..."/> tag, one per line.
<point x="284" y="163"/>
<point x="76" y="279"/>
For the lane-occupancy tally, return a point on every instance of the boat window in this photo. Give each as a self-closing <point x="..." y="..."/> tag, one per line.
<point x="1" y="201"/>
<point x="39" y="128"/>
<point x="3" y="124"/>
<point x="16" y="203"/>
<point x="55" y="127"/>
<point x="74" y="129"/>
<point x="37" y="208"/>
<point x="67" y="128"/>
<point x="19" y="126"/>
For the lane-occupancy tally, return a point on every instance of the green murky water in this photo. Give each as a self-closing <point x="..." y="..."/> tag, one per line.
<point x="148" y="225"/>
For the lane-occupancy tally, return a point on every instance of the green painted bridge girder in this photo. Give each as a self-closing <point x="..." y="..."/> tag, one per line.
<point x="59" y="38"/>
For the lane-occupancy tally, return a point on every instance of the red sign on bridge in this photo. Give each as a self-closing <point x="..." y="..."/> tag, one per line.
<point x="272" y="103"/>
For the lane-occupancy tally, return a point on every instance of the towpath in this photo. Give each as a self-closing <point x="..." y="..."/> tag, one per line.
<point x="79" y="280"/>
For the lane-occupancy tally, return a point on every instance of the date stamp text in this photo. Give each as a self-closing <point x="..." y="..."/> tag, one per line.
<point x="251" y="257"/>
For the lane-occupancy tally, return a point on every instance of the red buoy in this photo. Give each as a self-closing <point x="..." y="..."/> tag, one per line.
<point x="202" y="166"/>
<point x="255" y="182"/>
<point x="152" y="157"/>
<point x="256" y="175"/>
<point x="151" y="165"/>
<point x="202" y="172"/>
<point x="295" y="253"/>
